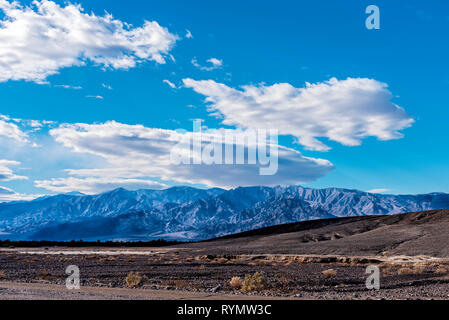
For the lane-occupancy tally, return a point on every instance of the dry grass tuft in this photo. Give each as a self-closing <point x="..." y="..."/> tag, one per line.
<point x="329" y="273"/>
<point x="387" y="271"/>
<point x="134" y="279"/>
<point x="3" y="276"/>
<point x="179" y="284"/>
<point x="255" y="282"/>
<point x="441" y="271"/>
<point x="106" y="259"/>
<point x="236" y="282"/>
<point x="405" y="271"/>
<point x="419" y="270"/>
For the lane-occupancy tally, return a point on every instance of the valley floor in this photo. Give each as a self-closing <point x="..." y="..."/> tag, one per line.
<point x="186" y="273"/>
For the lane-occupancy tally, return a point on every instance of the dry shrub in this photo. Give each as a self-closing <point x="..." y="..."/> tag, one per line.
<point x="45" y="275"/>
<point x="63" y="259"/>
<point x="330" y="273"/>
<point x="255" y="282"/>
<point x="301" y="260"/>
<point x="3" y="276"/>
<point x="179" y="284"/>
<point x="221" y="260"/>
<point x="419" y="270"/>
<point x="182" y="284"/>
<point x="134" y="279"/>
<point x="441" y="271"/>
<point x="202" y="267"/>
<point x="110" y="258"/>
<point x="387" y="271"/>
<point x="236" y="282"/>
<point x="261" y="262"/>
<point x="405" y="271"/>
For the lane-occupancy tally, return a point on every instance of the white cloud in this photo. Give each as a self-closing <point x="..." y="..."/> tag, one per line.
<point x="10" y="130"/>
<point x="135" y="154"/>
<point x="375" y="191"/>
<point x="345" y="111"/>
<point x="189" y="34"/>
<point x="36" y="41"/>
<point x="6" y="174"/>
<point x="169" y="83"/>
<point x="95" y="97"/>
<point x="67" y="86"/>
<point x="7" y="195"/>
<point x="96" y="184"/>
<point x="214" y="64"/>
<point x="106" y="86"/>
<point x="6" y="191"/>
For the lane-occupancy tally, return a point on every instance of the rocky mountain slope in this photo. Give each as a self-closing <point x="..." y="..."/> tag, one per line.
<point x="185" y="213"/>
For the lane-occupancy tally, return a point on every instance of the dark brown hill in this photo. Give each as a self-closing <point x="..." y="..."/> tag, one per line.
<point x="419" y="233"/>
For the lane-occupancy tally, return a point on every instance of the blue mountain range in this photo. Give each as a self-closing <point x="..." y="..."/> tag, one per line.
<point x="185" y="213"/>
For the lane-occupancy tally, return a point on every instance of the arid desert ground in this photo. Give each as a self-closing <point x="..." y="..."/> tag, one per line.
<point x="324" y="259"/>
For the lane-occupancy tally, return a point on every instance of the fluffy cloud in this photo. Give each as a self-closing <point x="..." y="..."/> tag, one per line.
<point x="96" y="184"/>
<point x="345" y="111"/>
<point x="6" y="174"/>
<point x="98" y="97"/>
<point x="214" y="63"/>
<point x="13" y="130"/>
<point x="9" y="129"/>
<point x="6" y="191"/>
<point x="68" y="86"/>
<point x="7" y="195"/>
<point x="376" y="191"/>
<point x="169" y="83"/>
<point x="139" y="156"/>
<point x="38" y="40"/>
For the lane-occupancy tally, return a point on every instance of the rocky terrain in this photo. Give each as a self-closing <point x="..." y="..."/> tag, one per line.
<point x="324" y="259"/>
<point x="184" y="213"/>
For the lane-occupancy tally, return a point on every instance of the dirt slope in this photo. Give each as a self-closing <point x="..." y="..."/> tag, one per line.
<point x="419" y="233"/>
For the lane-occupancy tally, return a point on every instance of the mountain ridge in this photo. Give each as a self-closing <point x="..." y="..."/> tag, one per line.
<point x="187" y="213"/>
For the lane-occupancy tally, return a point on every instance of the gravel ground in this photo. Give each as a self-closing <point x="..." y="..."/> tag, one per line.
<point x="178" y="273"/>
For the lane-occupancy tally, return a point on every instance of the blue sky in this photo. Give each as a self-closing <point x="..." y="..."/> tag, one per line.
<point x="257" y="44"/>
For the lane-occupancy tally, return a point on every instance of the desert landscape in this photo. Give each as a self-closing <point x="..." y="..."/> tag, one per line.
<point x="322" y="259"/>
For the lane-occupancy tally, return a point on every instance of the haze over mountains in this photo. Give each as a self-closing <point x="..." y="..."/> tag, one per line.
<point x="184" y="213"/>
